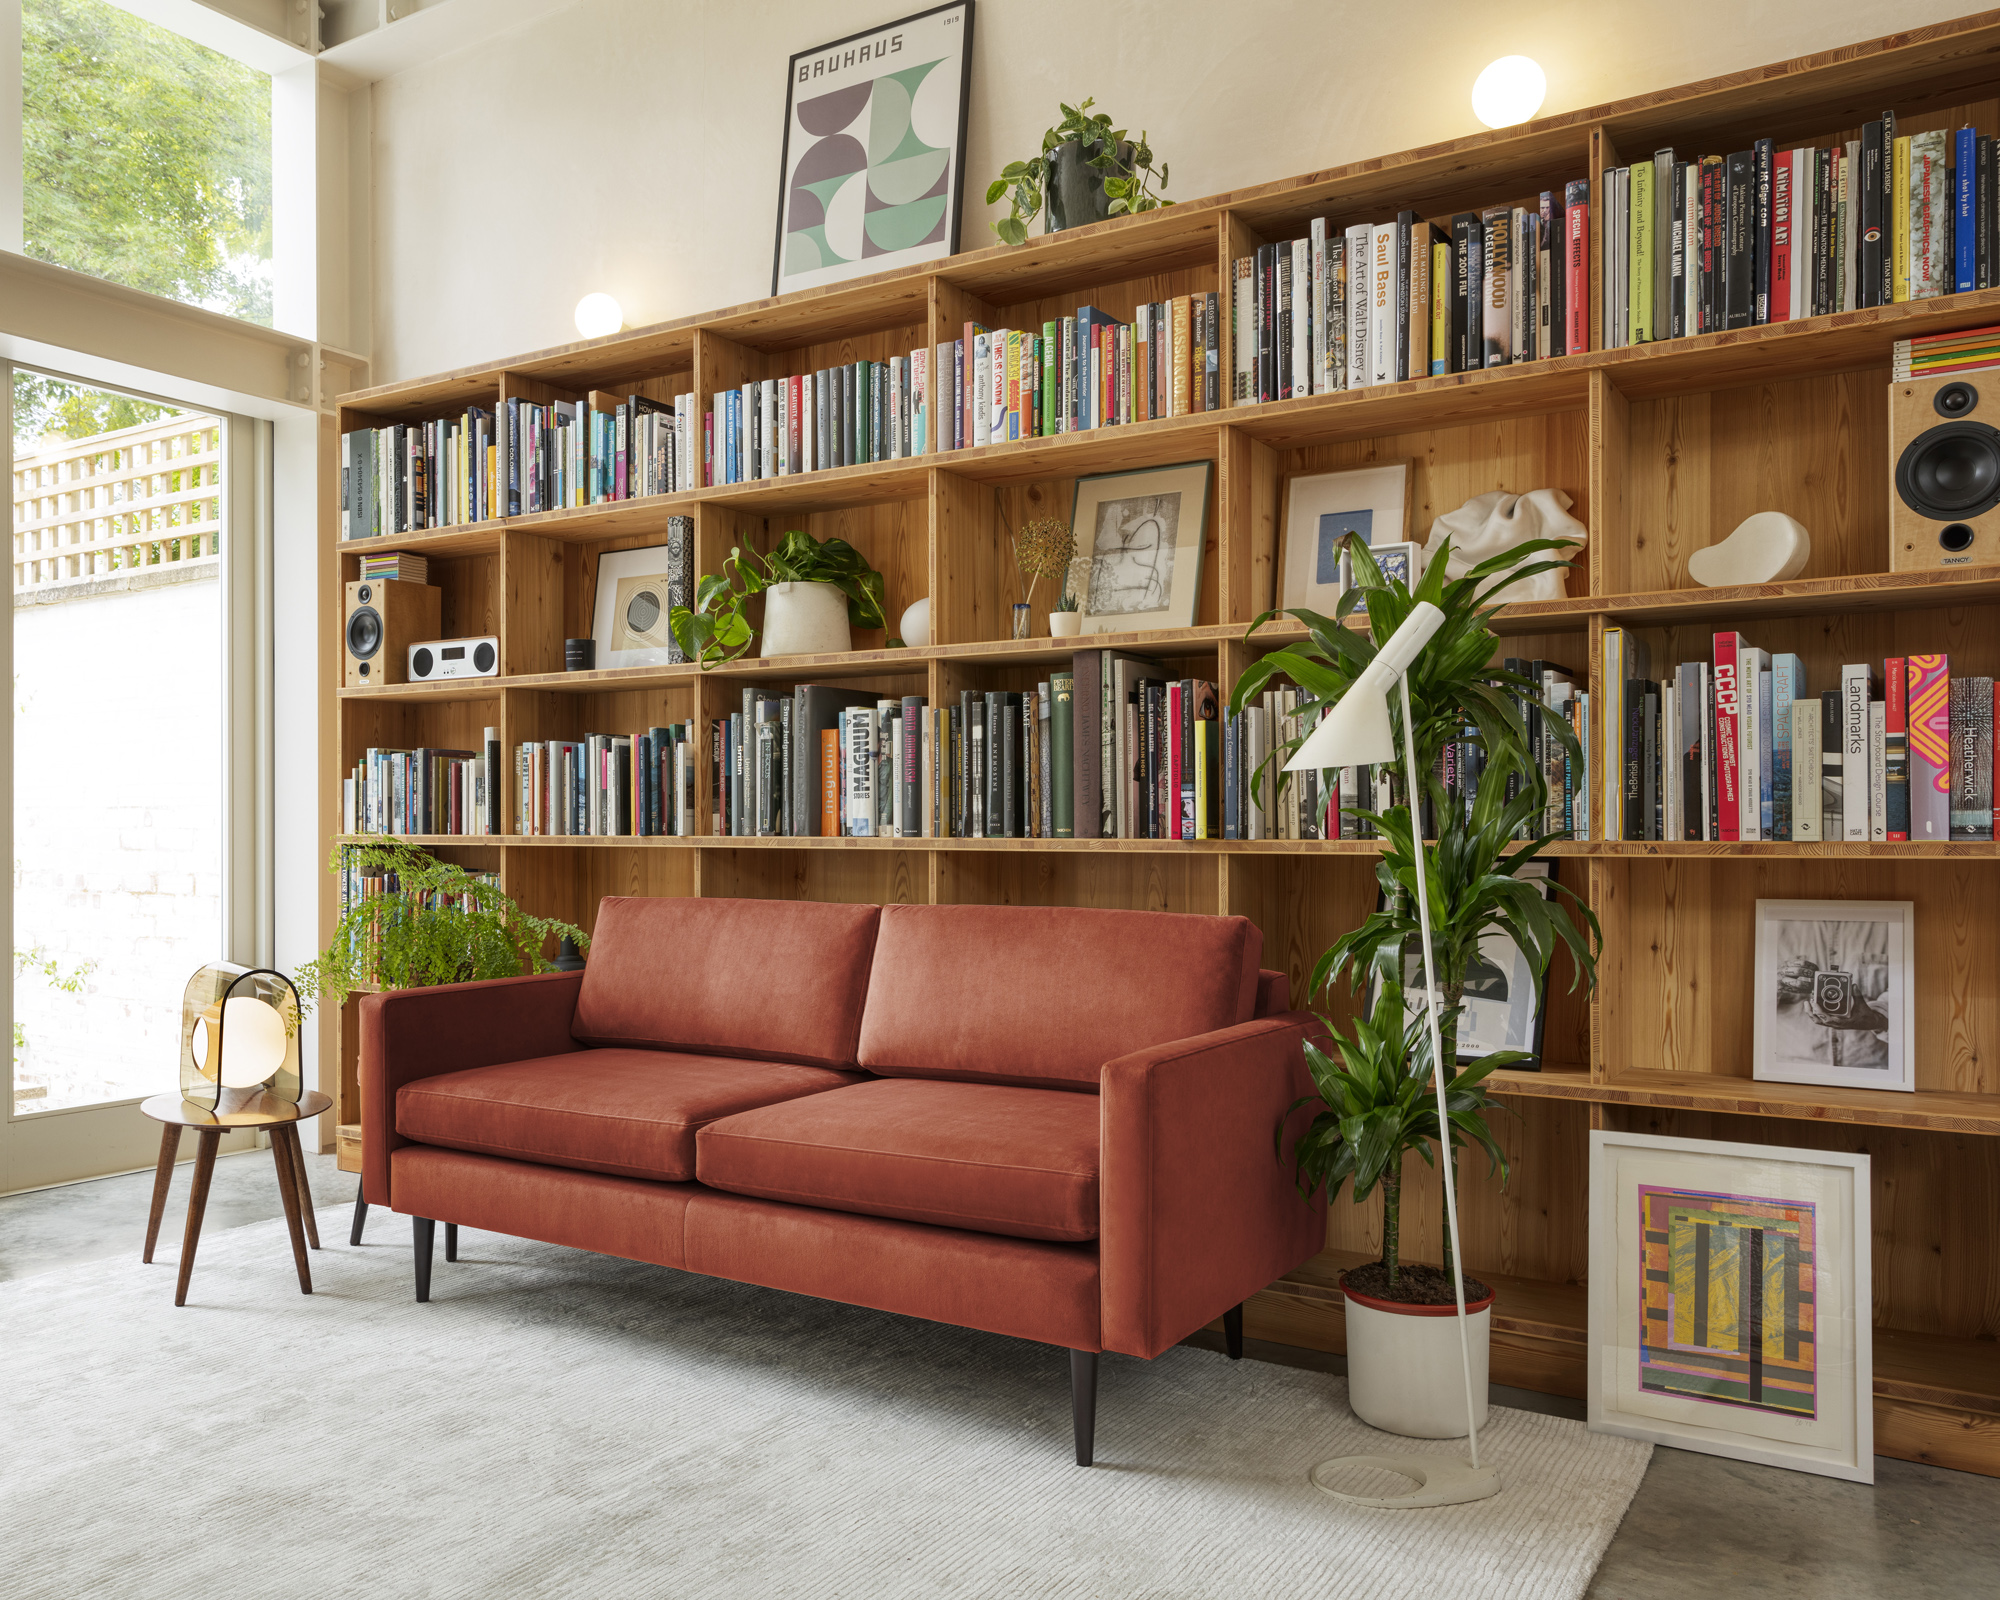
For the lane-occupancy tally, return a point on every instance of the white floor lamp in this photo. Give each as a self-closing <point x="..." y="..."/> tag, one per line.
<point x="1357" y="732"/>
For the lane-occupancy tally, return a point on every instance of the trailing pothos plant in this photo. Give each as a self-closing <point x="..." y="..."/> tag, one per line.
<point x="1377" y="1103"/>
<point x="1127" y="169"/>
<point x="1476" y="872"/>
<point x="715" y="630"/>
<point x="424" y="922"/>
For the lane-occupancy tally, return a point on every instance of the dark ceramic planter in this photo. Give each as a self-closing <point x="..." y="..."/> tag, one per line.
<point x="1075" y="192"/>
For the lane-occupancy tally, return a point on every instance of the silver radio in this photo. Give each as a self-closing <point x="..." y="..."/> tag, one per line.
<point x="454" y="658"/>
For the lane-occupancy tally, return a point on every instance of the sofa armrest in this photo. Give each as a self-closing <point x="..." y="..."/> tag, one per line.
<point x="1274" y="992"/>
<point x="1195" y="1212"/>
<point x="419" y="1033"/>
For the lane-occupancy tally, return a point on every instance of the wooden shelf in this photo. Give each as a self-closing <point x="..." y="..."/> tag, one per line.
<point x="1165" y="847"/>
<point x="1936" y="1111"/>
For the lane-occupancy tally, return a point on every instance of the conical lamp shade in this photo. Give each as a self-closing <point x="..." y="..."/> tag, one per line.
<point x="1356" y="732"/>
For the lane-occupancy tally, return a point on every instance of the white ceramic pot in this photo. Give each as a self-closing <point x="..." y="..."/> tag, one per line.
<point x="1403" y="1370"/>
<point x="916" y="624"/>
<point x="1065" y="624"/>
<point x="805" y="619"/>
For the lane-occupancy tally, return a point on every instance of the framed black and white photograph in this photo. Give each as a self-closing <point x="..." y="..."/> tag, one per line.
<point x="1503" y="1006"/>
<point x="874" y="150"/>
<point x="635" y="591"/>
<point x="1143" y="534"/>
<point x="1832" y="993"/>
<point x="1371" y="502"/>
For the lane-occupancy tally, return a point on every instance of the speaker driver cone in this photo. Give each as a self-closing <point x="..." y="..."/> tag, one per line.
<point x="1951" y="472"/>
<point x="364" y="632"/>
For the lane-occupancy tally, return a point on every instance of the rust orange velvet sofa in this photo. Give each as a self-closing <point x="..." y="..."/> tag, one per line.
<point x="1045" y="1122"/>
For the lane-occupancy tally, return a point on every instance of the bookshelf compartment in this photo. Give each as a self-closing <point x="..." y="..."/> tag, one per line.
<point x="559" y="879"/>
<point x="1155" y="876"/>
<point x="852" y="872"/>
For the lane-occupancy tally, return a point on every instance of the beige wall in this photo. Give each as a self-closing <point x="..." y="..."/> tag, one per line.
<point x="633" y="145"/>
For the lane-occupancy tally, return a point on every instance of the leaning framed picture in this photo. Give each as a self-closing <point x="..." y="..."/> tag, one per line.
<point x="874" y="150"/>
<point x="1832" y="993"/>
<point x="1373" y="502"/>
<point x="1144" y="534"/>
<point x="1503" y="1005"/>
<point x="1729" y="1301"/>
<point x="635" y="591"/>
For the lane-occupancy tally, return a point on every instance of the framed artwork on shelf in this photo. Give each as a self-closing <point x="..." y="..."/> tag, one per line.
<point x="635" y="591"/>
<point x="1371" y="502"/>
<point x="1729" y="1301"/>
<point x="1503" y="1007"/>
<point x="1143" y="534"/>
<point x="874" y="150"/>
<point x="1832" y="993"/>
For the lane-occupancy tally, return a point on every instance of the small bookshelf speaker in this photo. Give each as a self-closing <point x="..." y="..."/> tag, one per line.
<point x="1944" y="458"/>
<point x="385" y="616"/>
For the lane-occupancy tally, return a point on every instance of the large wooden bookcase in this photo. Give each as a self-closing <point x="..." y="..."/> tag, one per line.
<point x="1664" y="447"/>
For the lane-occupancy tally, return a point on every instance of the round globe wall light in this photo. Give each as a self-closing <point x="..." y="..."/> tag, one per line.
<point x="1511" y="90"/>
<point x="598" y="315"/>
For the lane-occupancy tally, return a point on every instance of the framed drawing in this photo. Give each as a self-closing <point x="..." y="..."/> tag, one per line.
<point x="1832" y="993"/>
<point x="1373" y="502"/>
<point x="635" y="590"/>
<point x="1729" y="1301"/>
<point x="874" y="150"/>
<point x="1503" y="1005"/>
<point x="1143" y="534"/>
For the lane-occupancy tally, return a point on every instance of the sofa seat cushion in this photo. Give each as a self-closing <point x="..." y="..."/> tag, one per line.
<point x="993" y="1158"/>
<point x="632" y="1113"/>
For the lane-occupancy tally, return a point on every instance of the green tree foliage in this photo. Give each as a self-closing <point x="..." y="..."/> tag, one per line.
<point x="44" y="406"/>
<point x="146" y="158"/>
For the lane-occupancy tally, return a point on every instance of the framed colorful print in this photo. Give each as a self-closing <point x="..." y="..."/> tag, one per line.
<point x="874" y="150"/>
<point x="635" y="591"/>
<point x="1400" y="562"/>
<point x="1143" y="534"/>
<point x="1373" y="502"/>
<point x="1729" y="1301"/>
<point x="1832" y="993"/>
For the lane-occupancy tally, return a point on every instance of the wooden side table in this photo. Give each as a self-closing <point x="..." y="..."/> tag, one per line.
<point x="281" y="1120"/>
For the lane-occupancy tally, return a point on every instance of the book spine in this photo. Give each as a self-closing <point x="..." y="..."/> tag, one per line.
<point x="1576" y="284"/>
<point x="1062" y="751"/>
<point x="1972" y="758"/>
<point x="1854" y="698"/>
<point x="1807" y="798"/>
<point x="1834" y="801"/>
<point x="1728" y="738"/>
<point x="1360" y="298"/>
<point x="1928" y="713"/>
<point x="1639" y="294"/>
<point x="1761" y="156"/>
<point x="1895" y="750"/>
<point x="1873" y="191"/>
<point x="1497" y="310"/>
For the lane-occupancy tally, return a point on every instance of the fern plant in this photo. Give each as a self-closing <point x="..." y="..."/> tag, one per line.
<point x="439" y="923"/>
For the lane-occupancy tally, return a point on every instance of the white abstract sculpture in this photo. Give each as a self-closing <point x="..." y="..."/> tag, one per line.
<point x="1765" y="548"/>
<point x="1488" y="525"/>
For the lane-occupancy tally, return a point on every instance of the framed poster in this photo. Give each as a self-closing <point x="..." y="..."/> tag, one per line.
<point x="635" y="591"/>
<point x="874" y="150"/>
<point x="1729" y="1301"/>
<point x="1373" y="502"/>
<point x="1503" y="1007"/>
<point x="1143" y="533"/>
<point x="1832" y="993"/>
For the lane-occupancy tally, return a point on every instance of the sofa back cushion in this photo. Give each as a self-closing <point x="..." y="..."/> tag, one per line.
<point x="778" y="980"/>
<point x="1045" y="995"/>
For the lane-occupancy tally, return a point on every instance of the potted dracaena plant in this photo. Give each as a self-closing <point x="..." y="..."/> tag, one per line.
<point x="813" y="589"/>
<point x="1479" y="888"/>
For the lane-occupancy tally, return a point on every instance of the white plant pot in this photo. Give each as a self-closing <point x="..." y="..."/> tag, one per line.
<point x="1065" y="624"/>
<point x="1403" y="1369"/>
<point x="805" y="619"/>
<point x="916" y="624"/>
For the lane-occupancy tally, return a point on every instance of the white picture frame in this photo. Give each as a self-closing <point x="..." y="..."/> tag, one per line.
<point x="1671" y="1219"/>
<point x="1319" y="508"/>
<point x="635" y="591"/>
<point x="1832" y="994"/>
<point x="872" y="172"/>
<point x="1145" y="535"/>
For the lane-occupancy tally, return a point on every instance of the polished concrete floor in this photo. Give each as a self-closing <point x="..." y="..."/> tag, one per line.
<point x="1700" y="1526"/>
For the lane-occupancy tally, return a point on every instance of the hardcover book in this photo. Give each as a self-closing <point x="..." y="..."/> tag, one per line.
<point x="1928" y="679"/>
<point x="1972" y="758"/>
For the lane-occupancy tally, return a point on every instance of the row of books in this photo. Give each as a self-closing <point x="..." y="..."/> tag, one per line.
<point x="425" y="790"/>
<point x="358" y="884"/>
<point x="1940" y="355"/>
<point x="1741" y="747"/>
<point x="1767" y="234"/>
<point x="1382" y="302"/>
<point x="631" y="786"/>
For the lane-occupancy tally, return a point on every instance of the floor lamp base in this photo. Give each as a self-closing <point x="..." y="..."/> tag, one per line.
<point x="1440" y="1480"/>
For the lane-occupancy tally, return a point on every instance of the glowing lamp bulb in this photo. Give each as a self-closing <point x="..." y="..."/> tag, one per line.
<point x="598" y="315"/>
<point x="1511" y="90"/>
<point x="253" y="1042"/>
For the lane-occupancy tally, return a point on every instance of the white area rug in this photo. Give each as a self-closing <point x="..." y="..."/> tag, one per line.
<point x="562" y="1424"/>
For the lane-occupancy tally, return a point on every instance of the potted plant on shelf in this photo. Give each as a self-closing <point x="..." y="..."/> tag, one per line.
<point x="1044" y="548"/>
<point x="1478" y="888"/>
<point x="1066" y="621"/>
<point x="421" y="921"/>
<point x="1087" y="171"/>
<point x="814" y="590"/>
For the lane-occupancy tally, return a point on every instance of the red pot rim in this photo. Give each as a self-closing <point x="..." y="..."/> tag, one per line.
<point x="1402" y="1309"/>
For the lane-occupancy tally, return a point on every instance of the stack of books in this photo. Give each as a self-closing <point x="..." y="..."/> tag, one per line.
<point x="396" y="565"/>
<point x="1939" y="355"/>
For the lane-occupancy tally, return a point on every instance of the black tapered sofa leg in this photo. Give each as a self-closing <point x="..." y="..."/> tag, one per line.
<point x="360" y="1216"/>
<point x="451" y="1241"/>
<point x="422" y="1232"/>
<point x="1083" y="1403"/>
<point x="1232" y="1332"/>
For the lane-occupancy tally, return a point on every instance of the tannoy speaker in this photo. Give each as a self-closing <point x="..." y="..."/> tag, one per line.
<point x="385" y="616"/>
<point x="1944" y="455"/>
